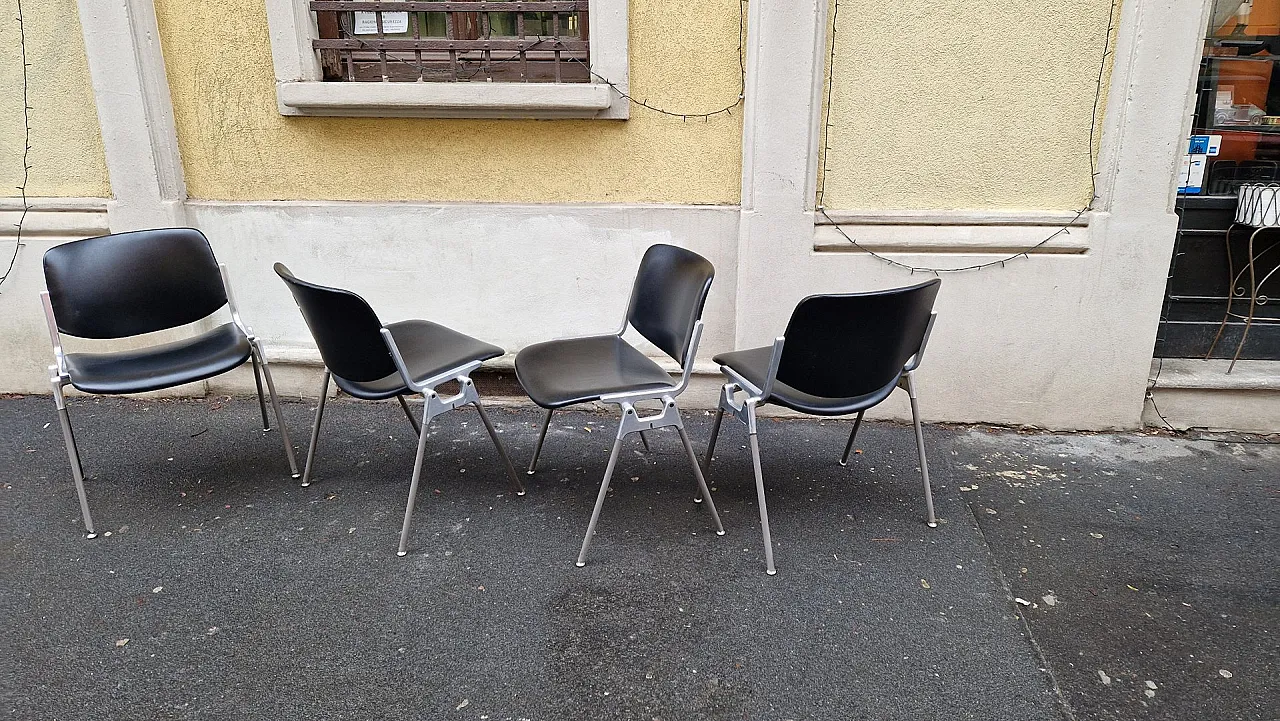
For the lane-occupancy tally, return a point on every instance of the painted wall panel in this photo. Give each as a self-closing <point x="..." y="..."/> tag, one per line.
<point x="66" y="155"/>
<point x="951" y="104"/>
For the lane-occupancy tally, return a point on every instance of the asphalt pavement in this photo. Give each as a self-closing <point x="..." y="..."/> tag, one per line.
<point x="1073" y="576"/>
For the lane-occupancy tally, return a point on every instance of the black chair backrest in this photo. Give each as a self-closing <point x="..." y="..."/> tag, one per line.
<point x="844" y="346"/>
<point x="666" y="301"/>
<point x="345" y="328"/>
<point x="126" y="284"/>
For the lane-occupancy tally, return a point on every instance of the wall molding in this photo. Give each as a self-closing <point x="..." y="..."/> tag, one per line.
<point x="1007" y="240"/>
<point x="392" y="205"/>
<point x="1034" y="232"/>
<point x="48" y="204"/>
<point x="54" y="217"/>
<point x="1043" y="218"/>
<point x="131" y="91"/>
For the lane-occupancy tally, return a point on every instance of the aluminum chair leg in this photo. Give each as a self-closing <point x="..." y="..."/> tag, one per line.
<point x="315" y="430"/>
<point x="77" y="472"/>
<point x="275" y="405"/>
<point x="844" y="457"/>
<point x="604" y="491"/>
<point x="417" y="474"/>
<point x="262" y="398"/>
<point x="711" y="448"/>
<point x="417" y="429"/>
<point x="711" y="444"/>
<point x="924" y="464"/>
<point x="632" y="423"/>
<point x="702" y="481"/>
<point x="516" y="485"/>
<point x="764" y="509"/>
<point x="542" y="436"/>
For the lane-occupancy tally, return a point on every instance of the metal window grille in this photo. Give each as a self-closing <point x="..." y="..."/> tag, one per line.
<point x="413" y="41"/>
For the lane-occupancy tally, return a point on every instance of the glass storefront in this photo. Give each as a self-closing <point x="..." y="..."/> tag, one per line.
<point x="1213" y="294"/>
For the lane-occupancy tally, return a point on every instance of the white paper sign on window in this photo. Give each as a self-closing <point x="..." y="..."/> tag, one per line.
<point x="367" y="23"/>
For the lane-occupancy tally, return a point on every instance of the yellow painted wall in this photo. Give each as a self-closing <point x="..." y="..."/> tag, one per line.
<point x="941" y="104"/>
<point x="236" y="146"/>
<point x="66" y="155"/>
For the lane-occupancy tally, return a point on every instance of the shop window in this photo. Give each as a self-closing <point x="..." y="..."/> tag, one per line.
<point x="490" y="43"/>
<point x="535" y="58"/>
<point x="1238" y="101"/>
<point x="1223" y="273"/>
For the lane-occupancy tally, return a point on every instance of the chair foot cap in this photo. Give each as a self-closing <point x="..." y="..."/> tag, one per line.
<point x="297" y="475"/>
<point x="402" y="553"/>
<point x="719" y="533"/>
<point x="91" y="535"/>
<point x="580" y="564"/>
<point x="772" y="571"/>
<point x="520" y="493"/>
<point x="843" y="463"/>
<point x="304" y="485"/>
<point x="697" y="500"/>
<point x="528" y="473"/>
<point x="933" y="524"/>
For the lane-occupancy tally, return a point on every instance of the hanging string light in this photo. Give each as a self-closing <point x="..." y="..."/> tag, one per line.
<point x="1024" y="253"/>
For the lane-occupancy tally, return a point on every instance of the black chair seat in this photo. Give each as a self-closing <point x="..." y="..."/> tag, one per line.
<point x="160" y="366"/>
<point x="373" y="361"/>
<point x="560" y="373"/>
<point x="753" y="364"/>
<point x="429" y="349"/>
<point x="127" y="285"/>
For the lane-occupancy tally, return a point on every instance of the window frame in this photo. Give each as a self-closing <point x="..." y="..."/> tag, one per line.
<point x="301" y="90"/>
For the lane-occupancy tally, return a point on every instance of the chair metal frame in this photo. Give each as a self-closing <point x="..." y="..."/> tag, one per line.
<point x="744" y="409"/>
<point x="433" y="406"/>
<point x="633" y="422"/>
<point x="59" y="377"/>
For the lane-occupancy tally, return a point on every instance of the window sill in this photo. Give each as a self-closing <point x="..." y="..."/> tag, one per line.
<point x="446" y="100"/>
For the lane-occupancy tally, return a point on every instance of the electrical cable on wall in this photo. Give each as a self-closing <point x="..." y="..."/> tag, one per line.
<point x="726" y="110"/>
<point x="26" y="144"/>
<point x="1065" y="229"/>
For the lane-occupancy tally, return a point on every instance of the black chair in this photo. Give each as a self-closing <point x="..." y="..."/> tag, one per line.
<point x="372" y="361"/>
<point x="127" y="284"/>
<point x="841" y="354"/>
<point x="666" y="307"/>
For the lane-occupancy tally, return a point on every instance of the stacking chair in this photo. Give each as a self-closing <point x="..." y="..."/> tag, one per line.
<point x="128" y="284"/>
<point x="372" y="361"/>
<point x="666" y="308"/>
<point x="841" y="354"/>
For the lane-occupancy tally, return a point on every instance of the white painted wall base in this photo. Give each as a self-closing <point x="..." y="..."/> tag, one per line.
<point x="512" y="275"/>
<point x="1045" y="342"/>
<point x="25" y="351"/>
<point x="1192" y="393"/>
